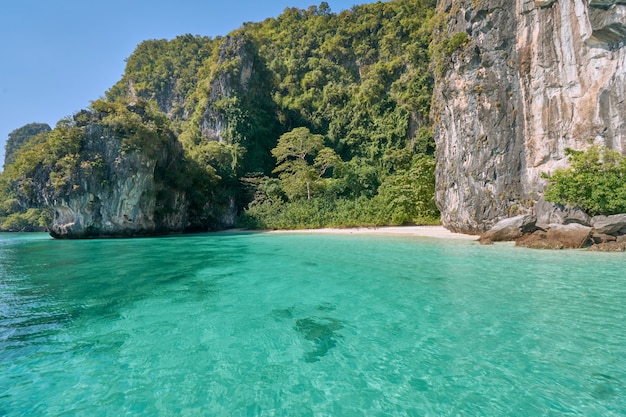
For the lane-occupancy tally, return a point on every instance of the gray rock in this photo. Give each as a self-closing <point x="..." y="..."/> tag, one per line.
<point x="610" y="225"/>
<point x="528" y="85"/>
<point x="214" y="122"/>
<point x="550" y="213"/>
<point x="125" y="196"/>
<point x="609" y="25"/>
<point x="509" y="229"/>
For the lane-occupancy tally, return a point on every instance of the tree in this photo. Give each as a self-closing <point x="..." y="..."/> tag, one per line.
<point x="302" y="161"/>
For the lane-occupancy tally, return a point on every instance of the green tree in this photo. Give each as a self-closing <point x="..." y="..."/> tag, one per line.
<point x="302" y="161"/>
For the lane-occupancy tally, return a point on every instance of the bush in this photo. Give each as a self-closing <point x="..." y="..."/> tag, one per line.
<point x="595" y="182"/>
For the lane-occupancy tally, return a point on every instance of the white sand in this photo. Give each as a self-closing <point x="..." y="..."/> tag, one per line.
<point x="413" y="231"/>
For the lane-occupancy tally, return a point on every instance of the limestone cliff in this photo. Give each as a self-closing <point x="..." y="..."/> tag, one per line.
<point x="531" y="79"/>
<point x="118" y="187"/>
<point x="233" y="71"/>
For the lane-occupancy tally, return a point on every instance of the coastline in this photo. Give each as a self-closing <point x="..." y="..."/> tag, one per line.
<point x="410" y="231"/>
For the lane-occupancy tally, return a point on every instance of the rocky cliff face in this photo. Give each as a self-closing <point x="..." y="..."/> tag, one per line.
<point x="534" y="77"/>
<point x="120" y="191"/>
<point x="235" y="66"/>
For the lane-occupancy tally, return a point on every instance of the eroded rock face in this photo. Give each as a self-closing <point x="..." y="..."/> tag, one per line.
<point x="124" y="195"/>
<point x="223" y="86"/>
<point x="536" y="77"/>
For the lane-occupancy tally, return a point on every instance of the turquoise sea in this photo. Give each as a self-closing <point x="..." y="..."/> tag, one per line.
<point x="308" y="325"/>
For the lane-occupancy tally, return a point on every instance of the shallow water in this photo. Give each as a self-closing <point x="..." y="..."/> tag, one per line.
<point x="308" y="325"/>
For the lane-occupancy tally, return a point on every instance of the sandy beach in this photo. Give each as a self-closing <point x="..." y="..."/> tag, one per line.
<point x="413" y="231"/>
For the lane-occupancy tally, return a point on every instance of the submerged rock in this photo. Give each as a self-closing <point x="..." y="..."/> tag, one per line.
<point x="322" y="332"/>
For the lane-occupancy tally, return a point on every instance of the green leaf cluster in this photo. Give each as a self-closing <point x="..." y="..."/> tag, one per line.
<point x="595" y="182"/>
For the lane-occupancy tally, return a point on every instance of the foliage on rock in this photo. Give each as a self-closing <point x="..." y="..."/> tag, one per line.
<point x="595" y="182"/>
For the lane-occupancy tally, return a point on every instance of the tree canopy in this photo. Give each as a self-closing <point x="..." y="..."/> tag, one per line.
<point x="302" y="160"/>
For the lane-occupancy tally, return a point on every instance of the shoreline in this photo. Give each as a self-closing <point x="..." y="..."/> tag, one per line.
<point x="410" y="231"/>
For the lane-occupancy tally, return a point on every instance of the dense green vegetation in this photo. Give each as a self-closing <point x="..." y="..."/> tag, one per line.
<point x="595" y="182"/>
<point x="20" y="136"/>
<point x="352" y="89"/>
<point x="16" y="214"/>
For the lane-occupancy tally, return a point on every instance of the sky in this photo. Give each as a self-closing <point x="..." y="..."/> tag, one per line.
<point x="56" y="56"/>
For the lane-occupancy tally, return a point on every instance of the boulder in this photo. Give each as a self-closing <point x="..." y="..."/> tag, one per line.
<point x="558" y="236"/>
<point x="549" y="213"/>
<point x="572" y="236"/>
<point x="538" y="240"/>
<point x="609" y="225"/>
<point x="509" y="229"/>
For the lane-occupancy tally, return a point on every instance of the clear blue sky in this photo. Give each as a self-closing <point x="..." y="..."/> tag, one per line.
<point x="58" y="55"/>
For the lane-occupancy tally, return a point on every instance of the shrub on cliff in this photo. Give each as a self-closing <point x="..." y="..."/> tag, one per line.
<point x="595" y="182"/>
